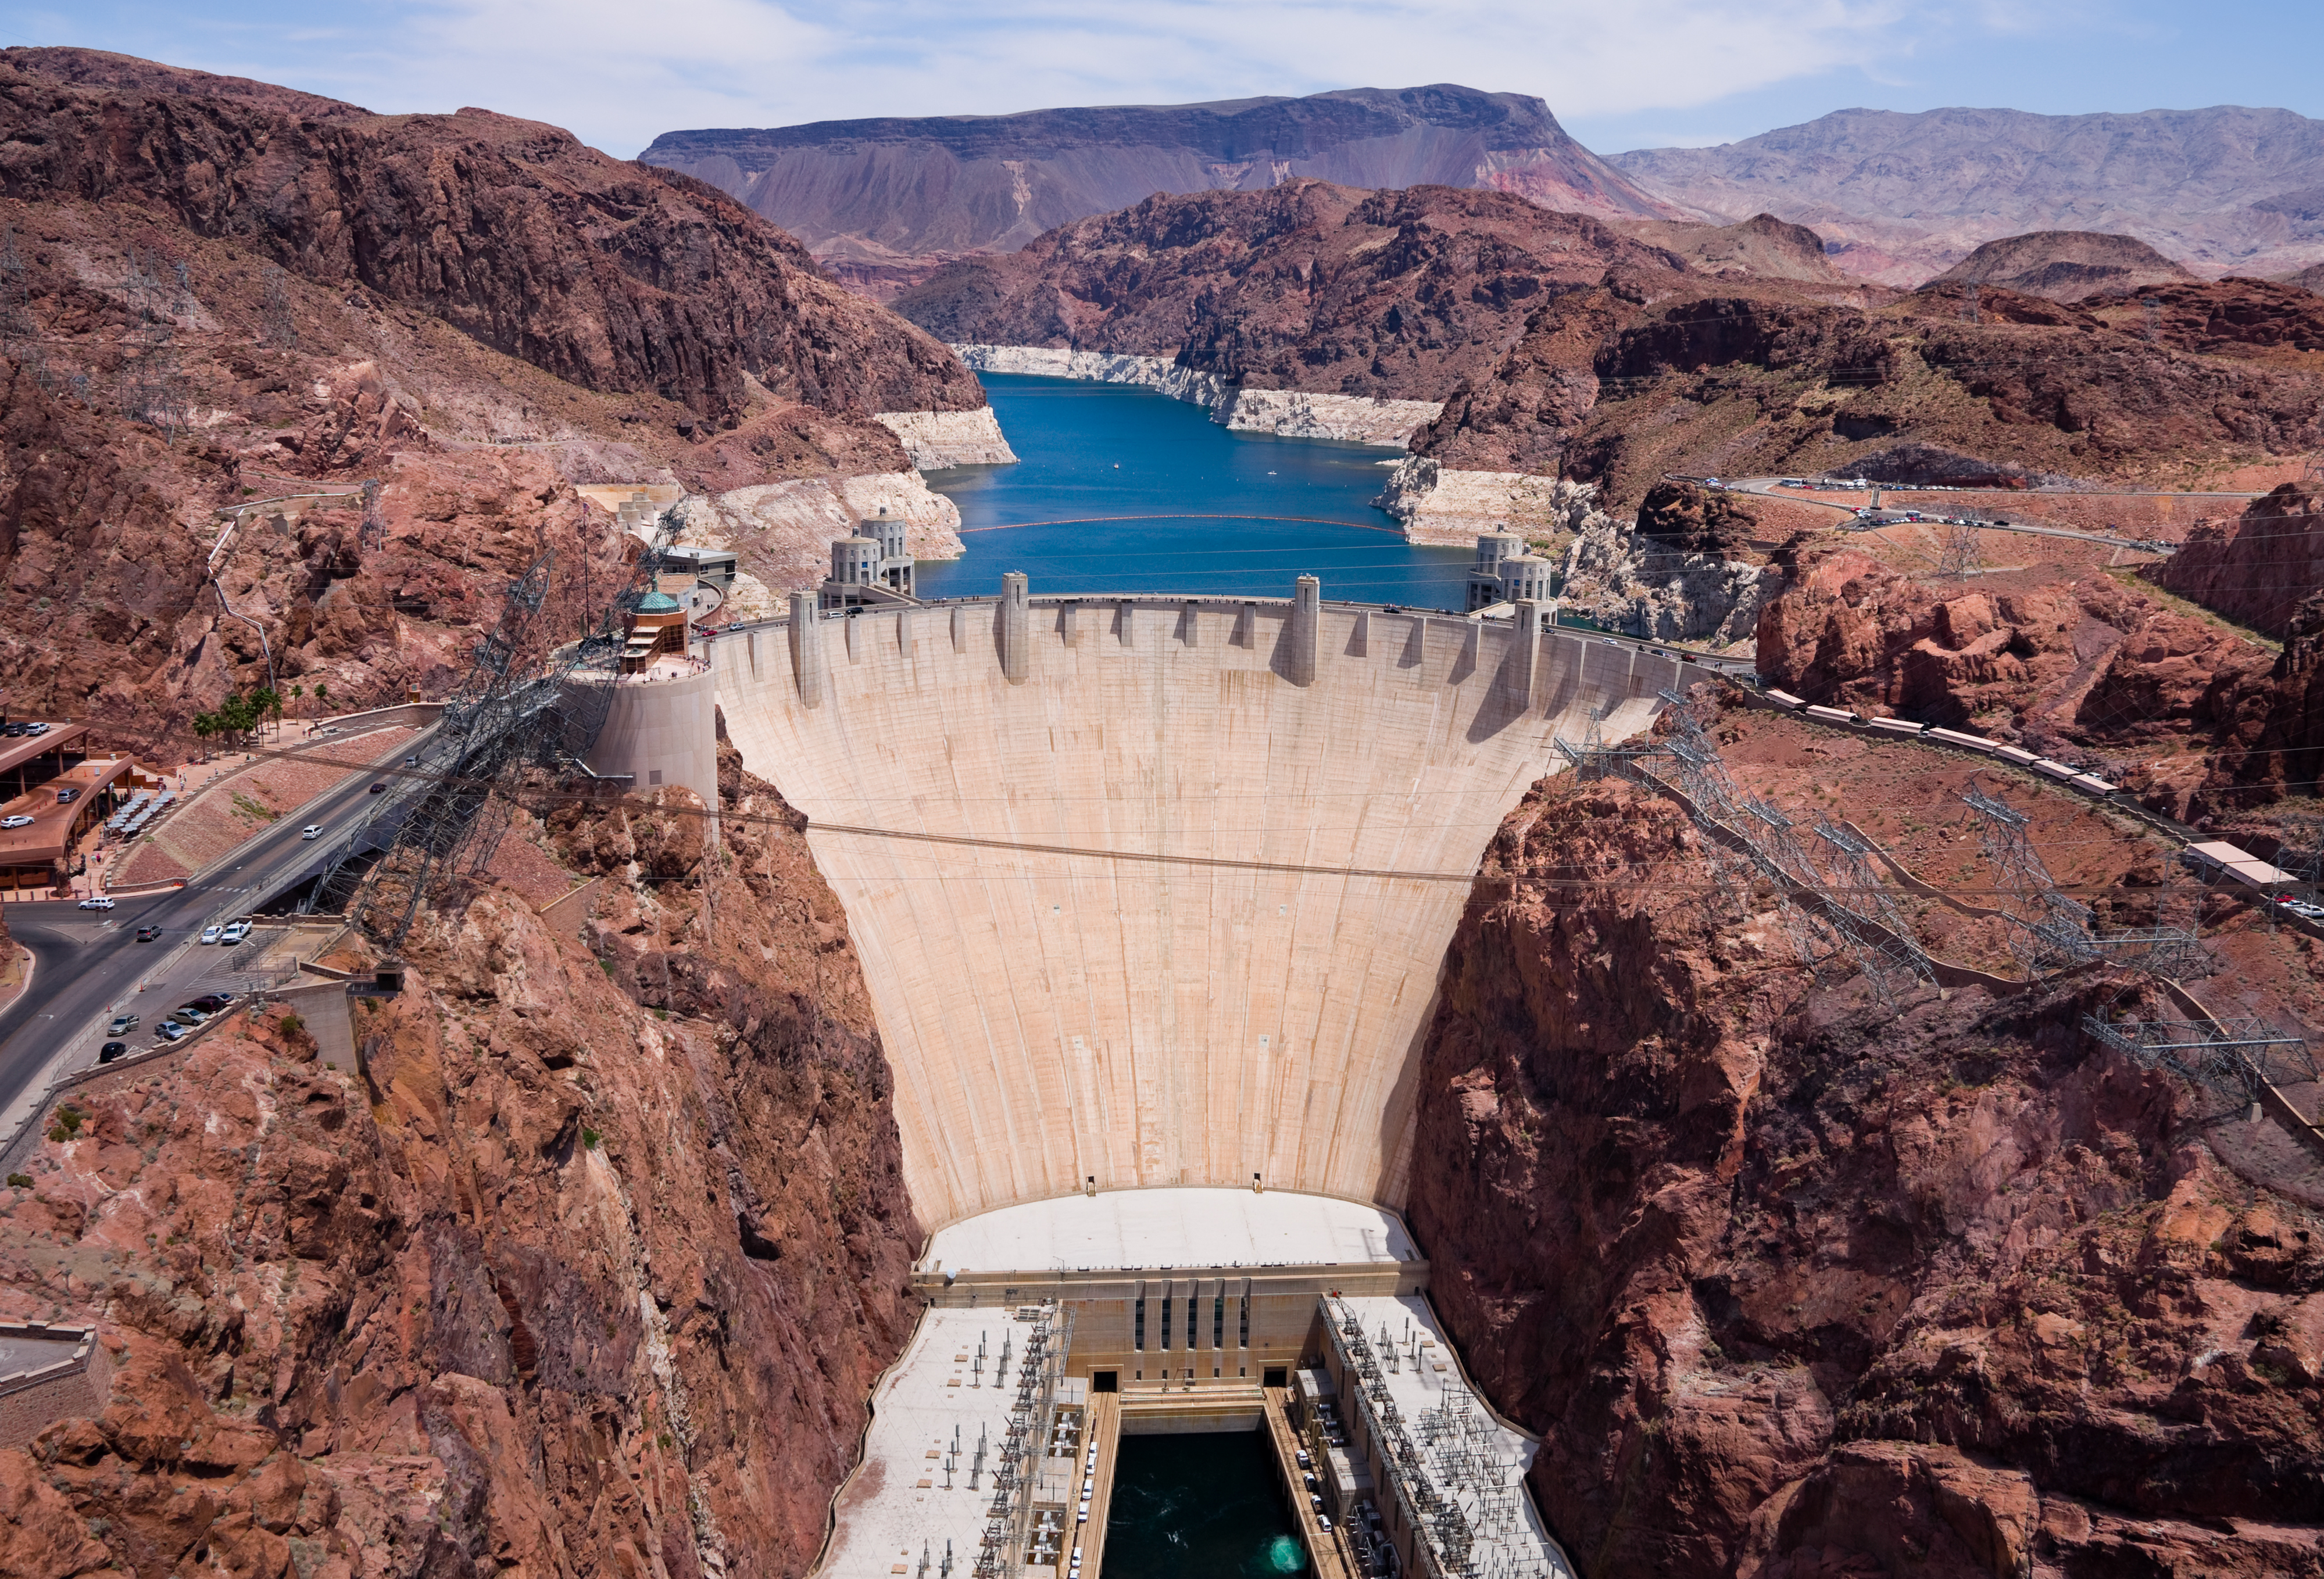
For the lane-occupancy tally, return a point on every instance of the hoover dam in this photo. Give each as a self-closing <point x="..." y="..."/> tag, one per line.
<point x="1166" y="906"/>
<point x="1152" y="893"/>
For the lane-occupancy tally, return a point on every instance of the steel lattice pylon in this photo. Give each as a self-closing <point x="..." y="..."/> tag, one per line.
<point x="507" y="716"/>
<point x="2050" y="931"/>
<point x="1746" y="838"/>
<point x="2237" y="1057"/>
<point x="1960" y="558"/>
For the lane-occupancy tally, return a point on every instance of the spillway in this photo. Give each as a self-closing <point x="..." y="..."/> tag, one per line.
<point x="1154" y="891"/>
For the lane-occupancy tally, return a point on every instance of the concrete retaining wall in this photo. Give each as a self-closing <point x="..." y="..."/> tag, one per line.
<point x="73" y="1387"/>
<point x="663" y="734"/>
<point x="1248" y="998"/>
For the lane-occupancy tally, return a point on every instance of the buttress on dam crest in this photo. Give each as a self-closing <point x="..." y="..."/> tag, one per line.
<point x="1151" y="895"/>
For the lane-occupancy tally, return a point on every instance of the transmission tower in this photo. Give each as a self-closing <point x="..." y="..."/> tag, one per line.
<point x="2239" y="1059"/>
<point x="276" y="325"/>
<point x="20" y="338"/>
<point x="2050" y="930"/>
<point x="151" y="390"/>
<point x="1958" y="559"/>
<point x="508" y="716"/>
<point x="373" y="536"/>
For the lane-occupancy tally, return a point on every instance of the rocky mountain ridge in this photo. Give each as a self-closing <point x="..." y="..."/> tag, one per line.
<point x="1902" y="197"/>
<point x="879" y="200"/>
<point x="222" y="293"/>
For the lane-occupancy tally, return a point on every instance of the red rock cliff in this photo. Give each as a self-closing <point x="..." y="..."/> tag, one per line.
<point x="610" y="274"/>
<point x="1791" y="1287"/>
<point x="585" y="1268"/>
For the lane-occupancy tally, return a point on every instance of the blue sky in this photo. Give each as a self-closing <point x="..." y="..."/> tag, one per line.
<point x="1620" y="73"/>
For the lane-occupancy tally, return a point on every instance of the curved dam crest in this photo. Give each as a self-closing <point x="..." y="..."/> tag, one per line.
<point x="1251" y="827"/>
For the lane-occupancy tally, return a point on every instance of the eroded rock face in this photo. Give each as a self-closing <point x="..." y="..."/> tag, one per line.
<point x="1792" y="1287"/>
<point x="190" y="356"/>
<point x="2257" y="568"/>
<point x="2089" y="669"/>
<point x="585" y="1267"/>
<point x="1681" y="517"/>
<point x="614" y="276"/>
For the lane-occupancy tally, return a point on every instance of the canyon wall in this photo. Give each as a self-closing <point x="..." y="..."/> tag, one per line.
<point x="230" y="298"/>
<point x="1796" y="1286"/>
<point x="584" y="1265"/>
<point x="1161" y="914"/>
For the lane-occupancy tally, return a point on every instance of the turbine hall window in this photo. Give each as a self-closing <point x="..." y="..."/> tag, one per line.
<point x="1191" y="1316"/>
<point x="1138" y="1325"/>
<point x="1219" y="1322"/>
<point x="1165" y="1321"/>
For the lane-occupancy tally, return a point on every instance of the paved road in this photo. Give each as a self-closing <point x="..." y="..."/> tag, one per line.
<point x="88" y="965"/>
<point x="1772" y="487"/>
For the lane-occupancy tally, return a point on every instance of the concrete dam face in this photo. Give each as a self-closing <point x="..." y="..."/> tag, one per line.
<point x="1154" y="892"/>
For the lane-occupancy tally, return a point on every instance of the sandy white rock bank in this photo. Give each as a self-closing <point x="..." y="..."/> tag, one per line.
<point x="1291" y="413"/>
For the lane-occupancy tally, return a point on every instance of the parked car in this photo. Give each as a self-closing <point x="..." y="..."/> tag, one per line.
<point x="98" y="902"/>
<point x="312" y="830"/>
<point x="111" y="1050"/>
<point x="11" y="730"/>
<point x="234" y="932"/>
<point x="215" y="1001"/>
<point x="18" y="821"/>
<point x="121" y="1023"/>
<point x="188" y="1015"/>
<point x="36" y="729"/>
<point x="210" y="934"/>
<point x="146" y="934"/>
<point x="170" y="1030"/>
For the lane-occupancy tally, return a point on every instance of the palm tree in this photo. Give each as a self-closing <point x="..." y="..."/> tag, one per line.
<point x="206" y="724"/>
<point x="297" y="692"/>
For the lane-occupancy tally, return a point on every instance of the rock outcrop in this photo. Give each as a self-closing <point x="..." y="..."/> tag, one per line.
<point x="2257" y="568"/>
<point x="1794" y="1286"/>
<point x="1392" y="295"/>
<point x="611" y="276"/>
<point x="874" y="197"/>
<point x="2065" y="265"/>
<point x="1904" y="196"/>
<point x="2168" y="704"/>
<point x="1439" y="505"/>
<point x="182" y="346"/>
<point x="1649" y="375"/>
<point x="1681" y="585"/>
<point x="937" y="439"/>
<point x="585" y="1264"/>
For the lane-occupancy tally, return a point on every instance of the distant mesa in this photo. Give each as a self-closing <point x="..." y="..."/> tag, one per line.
<point x="2065" y="265"/>
<point x="877" y="200"/>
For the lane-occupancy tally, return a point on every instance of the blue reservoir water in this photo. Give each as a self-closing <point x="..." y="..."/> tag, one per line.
<point x="1199" y="1507"/>
<point x="1121" y="489"/>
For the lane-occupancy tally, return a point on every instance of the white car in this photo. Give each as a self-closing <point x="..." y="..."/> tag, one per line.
<point x="97" y="902"/>
<point x="235" y="933"/>
<point x="312" y="830"/>
<point x="210" y="934"/>
<point x="19" y="821"/>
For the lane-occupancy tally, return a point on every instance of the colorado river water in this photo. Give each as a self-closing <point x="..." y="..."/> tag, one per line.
<point x="1090" y="452"/>
<point x="1199" y="1506"/>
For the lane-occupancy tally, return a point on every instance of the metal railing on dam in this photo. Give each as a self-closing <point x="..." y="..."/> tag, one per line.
<point x="1154" y="891"/>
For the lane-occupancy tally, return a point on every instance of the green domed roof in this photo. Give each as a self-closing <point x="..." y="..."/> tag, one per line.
<point x="657" y="603"/>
